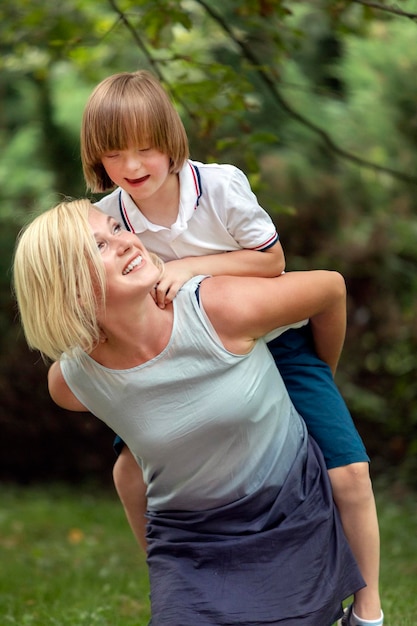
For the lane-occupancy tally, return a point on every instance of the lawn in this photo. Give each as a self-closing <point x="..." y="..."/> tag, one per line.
<point x="68" y="559"/>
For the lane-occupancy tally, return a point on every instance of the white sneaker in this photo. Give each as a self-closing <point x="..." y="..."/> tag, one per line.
<point x="345" y="620"/>
<point x="348" y="620"/>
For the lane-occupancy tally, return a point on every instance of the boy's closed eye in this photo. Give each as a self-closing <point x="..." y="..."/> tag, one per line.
<point x="110" y="155"/>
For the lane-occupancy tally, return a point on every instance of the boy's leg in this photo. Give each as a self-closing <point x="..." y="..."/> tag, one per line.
<point x="128" y="480"/>
<point x="353" y="495"/>
<point x="315" y="396"/>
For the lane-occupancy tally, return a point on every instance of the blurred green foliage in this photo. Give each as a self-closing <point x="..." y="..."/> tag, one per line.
<point x="316" y="101"/>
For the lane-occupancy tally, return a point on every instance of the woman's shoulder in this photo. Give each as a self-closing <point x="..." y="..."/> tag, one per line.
<point x="59" y="390"/>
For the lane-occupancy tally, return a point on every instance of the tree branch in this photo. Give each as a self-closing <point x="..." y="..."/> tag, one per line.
<point x="285" y="106"/>
<point x="137" y="39"/>
<point x="152" y="62"/>
<point x="270" y="84"/>
<point x="393" y="8"/>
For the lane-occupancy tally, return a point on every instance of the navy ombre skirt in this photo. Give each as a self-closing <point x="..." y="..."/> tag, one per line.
<point x="275" y="557"/>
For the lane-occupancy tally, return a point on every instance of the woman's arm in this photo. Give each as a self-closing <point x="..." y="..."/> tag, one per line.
<point x="267" y="263"/>
<point x="59" y="391"/>
<point x="127" y="474"/>
<point x="259" y="305"/>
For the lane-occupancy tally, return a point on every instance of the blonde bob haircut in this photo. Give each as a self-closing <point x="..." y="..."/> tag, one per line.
<point x="125" y="110"/>
<point x="59" y="281"/>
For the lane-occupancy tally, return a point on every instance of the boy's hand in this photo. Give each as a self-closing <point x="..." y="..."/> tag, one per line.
<point x="176" y="273"/>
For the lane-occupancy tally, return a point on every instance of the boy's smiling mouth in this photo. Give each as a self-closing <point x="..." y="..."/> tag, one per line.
<point x="136" y="181"/>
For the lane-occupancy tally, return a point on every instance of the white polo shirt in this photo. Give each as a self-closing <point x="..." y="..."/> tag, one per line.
<point x="218" y="212"/>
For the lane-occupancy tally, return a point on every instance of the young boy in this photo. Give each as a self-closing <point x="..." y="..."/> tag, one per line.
<point x="191" y="214"/>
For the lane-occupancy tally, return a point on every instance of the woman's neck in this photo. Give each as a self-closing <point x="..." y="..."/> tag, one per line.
<point x="132" y="338"/>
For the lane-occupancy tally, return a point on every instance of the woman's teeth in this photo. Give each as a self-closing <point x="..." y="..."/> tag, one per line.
<point x="132" y="265"/>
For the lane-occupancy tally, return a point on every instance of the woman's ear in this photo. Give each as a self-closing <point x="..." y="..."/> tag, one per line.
<point x="102" y="336"/>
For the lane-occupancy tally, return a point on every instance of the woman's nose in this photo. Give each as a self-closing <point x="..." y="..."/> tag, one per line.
<point x="123" y="243"/>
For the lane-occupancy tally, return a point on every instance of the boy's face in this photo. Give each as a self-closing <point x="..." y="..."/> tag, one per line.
<point x="140" y="172"/>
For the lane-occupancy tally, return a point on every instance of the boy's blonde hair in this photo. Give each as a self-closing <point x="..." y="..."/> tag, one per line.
<point x="129" y="109"/>
<point x="59" y="281"/>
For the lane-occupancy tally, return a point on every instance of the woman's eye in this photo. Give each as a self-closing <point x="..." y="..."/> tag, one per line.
<point x="117" y="228"/>
<point x="100" y="245"/>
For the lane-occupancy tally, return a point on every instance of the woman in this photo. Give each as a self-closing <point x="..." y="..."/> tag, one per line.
<point x="241" y="526"/>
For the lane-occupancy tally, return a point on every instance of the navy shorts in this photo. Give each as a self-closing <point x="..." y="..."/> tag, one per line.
<point x="118" y="444"/>
<point x="311" y="387"/>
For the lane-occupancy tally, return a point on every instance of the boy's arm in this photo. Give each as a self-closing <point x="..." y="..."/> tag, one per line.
<point x="258" y="305"/>
<point x="266" y="263"/>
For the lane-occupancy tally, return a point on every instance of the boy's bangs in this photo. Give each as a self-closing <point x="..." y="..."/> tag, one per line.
<point x="120" y="130"/>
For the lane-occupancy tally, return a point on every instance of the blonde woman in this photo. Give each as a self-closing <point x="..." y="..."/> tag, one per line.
<point x="240" y="522"/>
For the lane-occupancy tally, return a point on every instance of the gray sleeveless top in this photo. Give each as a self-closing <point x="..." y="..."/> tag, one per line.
<point x="207" y="426"/>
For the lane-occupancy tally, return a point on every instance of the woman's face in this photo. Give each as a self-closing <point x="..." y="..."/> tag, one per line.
<point x="128" y="266"/>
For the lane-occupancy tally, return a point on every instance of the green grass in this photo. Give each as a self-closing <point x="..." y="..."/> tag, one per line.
<point x="67" y="557"/>
<point x="397" y="513"/>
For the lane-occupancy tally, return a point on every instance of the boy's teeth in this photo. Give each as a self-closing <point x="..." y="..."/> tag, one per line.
<point x="133" y="264"/>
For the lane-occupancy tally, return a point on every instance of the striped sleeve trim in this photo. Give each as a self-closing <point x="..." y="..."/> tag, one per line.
<point x="267" y="244"/>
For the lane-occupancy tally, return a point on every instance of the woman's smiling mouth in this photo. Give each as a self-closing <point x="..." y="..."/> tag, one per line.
<point x="132" y="265"/>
